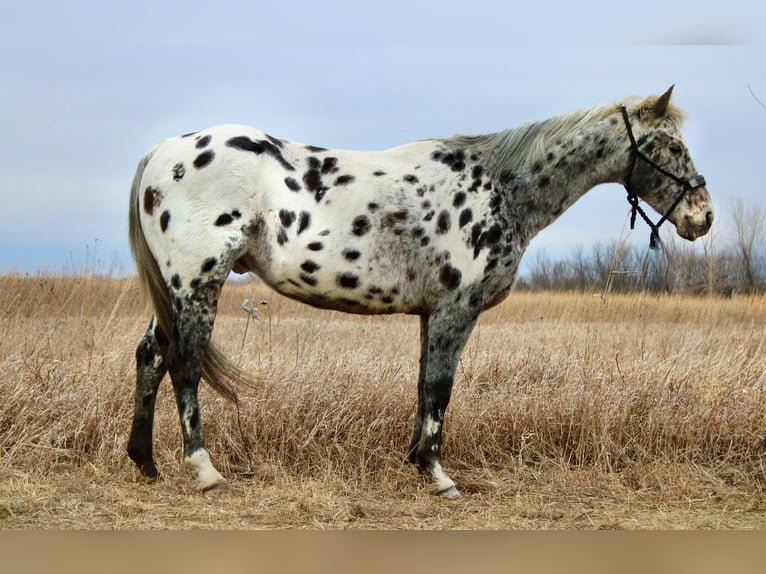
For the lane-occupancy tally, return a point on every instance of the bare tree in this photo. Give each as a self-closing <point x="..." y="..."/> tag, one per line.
<point x="748" y="223"/>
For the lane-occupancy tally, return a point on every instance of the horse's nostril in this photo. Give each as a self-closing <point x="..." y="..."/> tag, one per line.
<point x="709" y="217"/>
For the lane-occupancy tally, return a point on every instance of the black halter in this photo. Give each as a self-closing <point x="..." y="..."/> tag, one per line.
<point x="686" y="185"/>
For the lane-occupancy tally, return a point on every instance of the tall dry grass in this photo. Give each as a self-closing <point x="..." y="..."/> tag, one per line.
<point x="616" y="385"/>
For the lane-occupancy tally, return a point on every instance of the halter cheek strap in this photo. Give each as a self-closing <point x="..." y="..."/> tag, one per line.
<point x="686" y="185"/>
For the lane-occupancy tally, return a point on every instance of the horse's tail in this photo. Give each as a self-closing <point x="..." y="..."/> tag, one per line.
<point x="217" y="370"/>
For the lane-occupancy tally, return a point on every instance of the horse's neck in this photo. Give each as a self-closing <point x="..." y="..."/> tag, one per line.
<point x="572" y="165"/>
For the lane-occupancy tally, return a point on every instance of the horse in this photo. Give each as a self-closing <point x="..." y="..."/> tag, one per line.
<point x="434" y="228"/>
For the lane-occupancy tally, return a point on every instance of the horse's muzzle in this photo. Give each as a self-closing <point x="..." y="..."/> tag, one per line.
<point x="693" y="226"/>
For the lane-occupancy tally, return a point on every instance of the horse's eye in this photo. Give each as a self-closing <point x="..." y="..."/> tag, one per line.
<point x="676" y="149"/>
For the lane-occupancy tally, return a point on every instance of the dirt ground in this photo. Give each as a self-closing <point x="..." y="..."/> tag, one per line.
<point x="578" y="499"/>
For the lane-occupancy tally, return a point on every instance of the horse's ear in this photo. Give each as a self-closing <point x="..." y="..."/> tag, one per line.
<point x="662" y="102"/>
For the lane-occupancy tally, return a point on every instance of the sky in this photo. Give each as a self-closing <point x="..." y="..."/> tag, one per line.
<point x="86" y="88"/>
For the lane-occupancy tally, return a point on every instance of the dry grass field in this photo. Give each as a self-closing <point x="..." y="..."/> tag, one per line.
<point x="569" y="411"/>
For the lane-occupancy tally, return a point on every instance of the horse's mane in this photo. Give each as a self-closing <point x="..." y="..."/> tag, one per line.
<point x="527" y="144"/>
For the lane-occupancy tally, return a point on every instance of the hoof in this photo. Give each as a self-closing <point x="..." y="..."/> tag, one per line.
<point x="216" y="487"/>
<point x="450" y="493"/>
<point x="149" y="472"/>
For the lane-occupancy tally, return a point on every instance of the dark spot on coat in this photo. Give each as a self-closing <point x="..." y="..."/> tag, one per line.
<point x="544" y="181"/>
<point x="292" y="184"/>
<point x="394" y="217"/>
<point x="409" y="178"/>
<point x="344" y="180"/>
<point x="164" y="220"/>
<point x="204" y="159"/>
<point x="351" y="254"/>
<point x="304" y="220"/>
<point x="373" y="207"/>
<point x="244" y="143"/>
<point x="494" y="234"/>
<point x="507" y="177"/>
<point x="330" y="165"/>
<point x="309" y="279"/>
<point x="491" y="264"/>
<point x="315" y="246"/>
<point x="443" y="222"/>
<point x="194" y="418"/>
<point x="378" y="173"/>
<point x="224" y="219"/>
<point x="208" y="264"/>
<point x="178" y="172"/>
<point x="312" y="179"/>
<point x="477" y="172"/>
<point x="459" y="199"/>
<point x="152" y="199"/>
<point x="465" y="217"/>
<point x="175" y="281"/>
<point x="454" y="159"/>
<point x="449" y="276"/>
<point x="315" y="148"/>
<point x="286" y="217"/>
<point x="310" y="266"/>
<point x="347" y="280"/>
<point x="360" y="225"/>
<point x="282" y="236"/>
<point x="276" y="141"/>
<point x="202" y="142"/>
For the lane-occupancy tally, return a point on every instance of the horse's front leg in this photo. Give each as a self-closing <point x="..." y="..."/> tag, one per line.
<point x="443" y="336"/>
<point x="412" y="452"/>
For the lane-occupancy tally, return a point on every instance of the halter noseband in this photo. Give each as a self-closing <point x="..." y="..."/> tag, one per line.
<point x="686" y="185"/>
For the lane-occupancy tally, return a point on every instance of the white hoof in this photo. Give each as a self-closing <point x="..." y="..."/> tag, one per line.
<point x="208" y="478"/>
<point x="218" y="487"/>
<point x="445" y="488"/>
<point x="450" y="494"/>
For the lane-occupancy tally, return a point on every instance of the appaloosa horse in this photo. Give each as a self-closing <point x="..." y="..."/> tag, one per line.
<point x="434" y="228"/>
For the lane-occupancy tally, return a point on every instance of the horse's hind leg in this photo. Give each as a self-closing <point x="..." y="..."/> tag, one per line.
<point x="192" y="325"/>
<point x="150" y="368"/>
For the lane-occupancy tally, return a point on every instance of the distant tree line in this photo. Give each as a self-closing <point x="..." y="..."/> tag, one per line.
<point x="725" y="263"/>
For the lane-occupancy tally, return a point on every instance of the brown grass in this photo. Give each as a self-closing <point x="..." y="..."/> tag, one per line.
<point x="569" y="411"/>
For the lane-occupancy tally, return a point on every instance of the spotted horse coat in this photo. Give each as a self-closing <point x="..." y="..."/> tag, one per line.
<point x="434" y="228"/>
